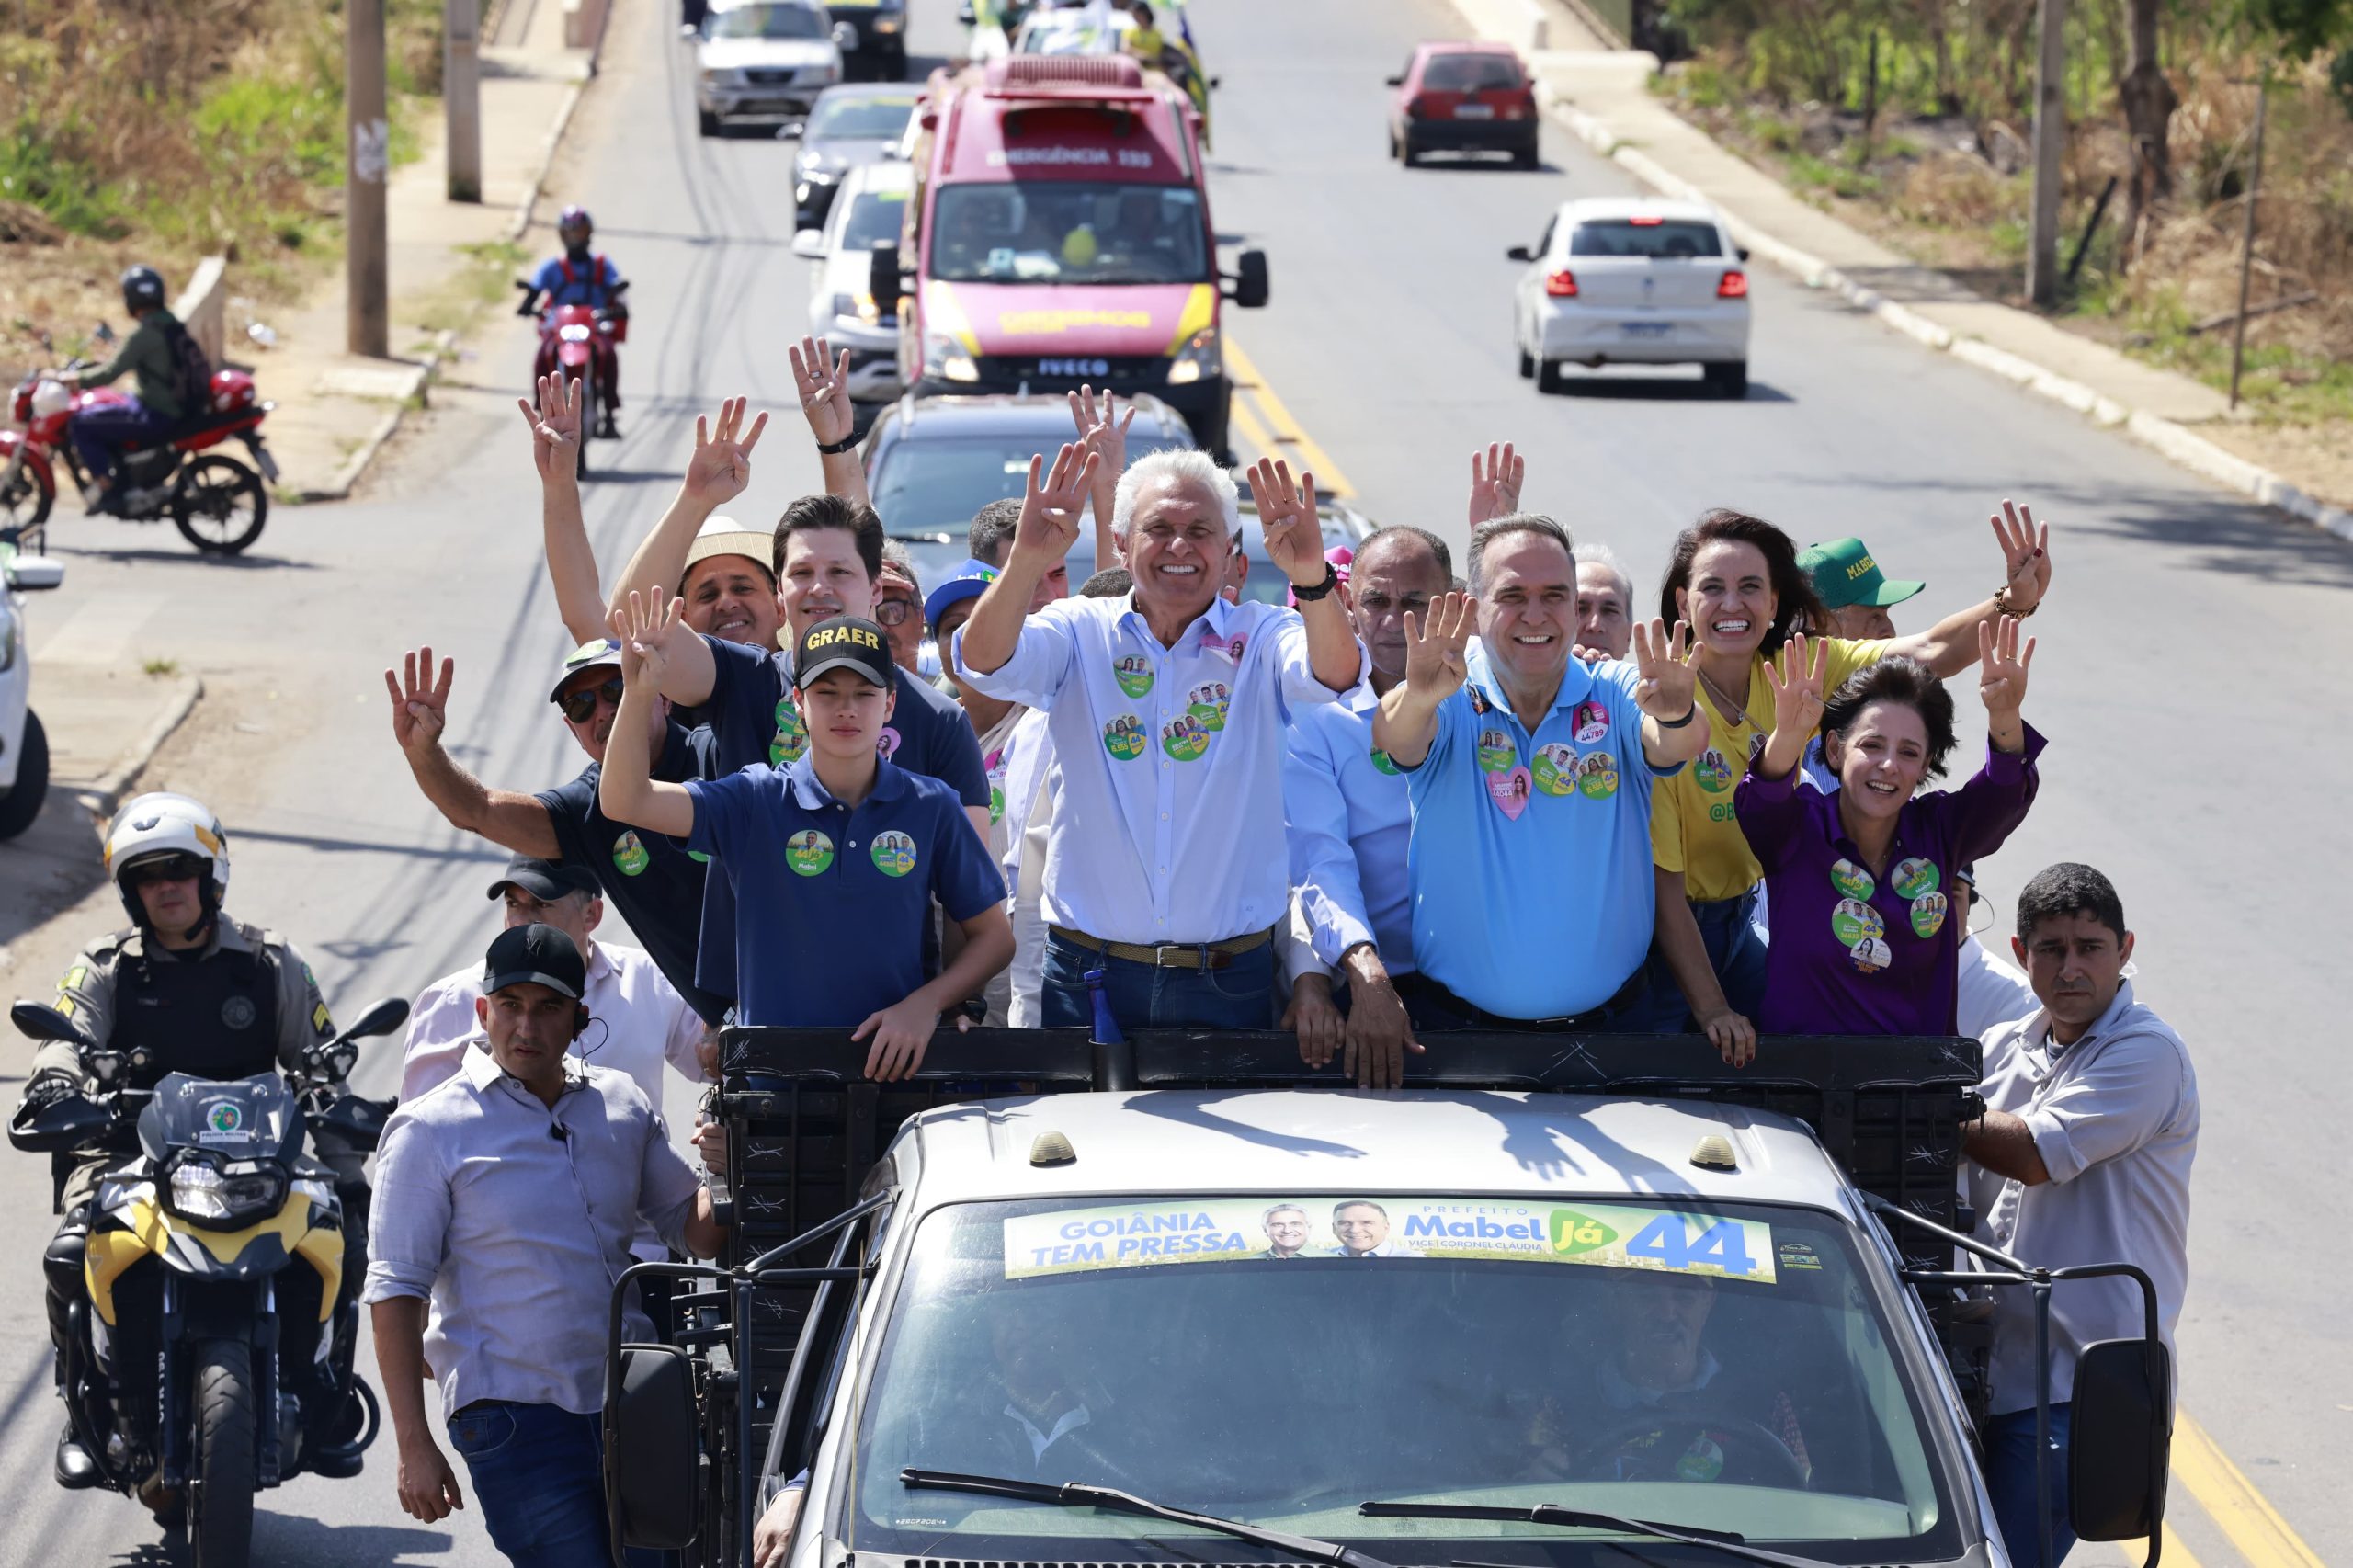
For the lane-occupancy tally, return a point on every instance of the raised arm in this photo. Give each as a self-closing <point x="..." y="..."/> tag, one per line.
<point x="420" y="712"/>
<point x="1104" y="433"/>
<point x="822" y="378"/>
<point x="627" y="788"/>
<point x="1294" y="534"/>
<point x="555" y="449"/>
<point x="2001" y="682"/>
<point x="1795" y="676"/>
<point x="716" y="474"/>
<point x="1435" y="667"/>
<point x="1047" y="528"/>
<point x="1495" y="488"/>
<point x="1950" y="646"/>
<point x="1665" y="689"/>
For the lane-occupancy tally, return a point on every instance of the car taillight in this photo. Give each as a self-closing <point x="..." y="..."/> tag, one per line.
<point x="1521" y="105"/>
<point x="1733" y="286"/>
<point x="1644" y="223"/>
<point x="1561" y="285"/>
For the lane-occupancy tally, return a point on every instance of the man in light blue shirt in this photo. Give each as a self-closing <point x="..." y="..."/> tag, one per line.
<point x="1165" y="865"/>
<point x="1350" y="817"/>
<point x="1529" y="772"/>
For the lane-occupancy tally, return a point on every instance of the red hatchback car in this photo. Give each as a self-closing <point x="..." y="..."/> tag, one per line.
<point x="1463" y="97"/>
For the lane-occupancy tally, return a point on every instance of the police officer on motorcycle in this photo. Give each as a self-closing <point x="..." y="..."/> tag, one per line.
<point x="186" y="989"/>
<point x="583" y="276"/>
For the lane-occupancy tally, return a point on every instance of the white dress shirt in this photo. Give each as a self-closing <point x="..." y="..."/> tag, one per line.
<point x="1032" y="784"/>
<point x="1350" y="821"/>
<point x="1993" y="992"/>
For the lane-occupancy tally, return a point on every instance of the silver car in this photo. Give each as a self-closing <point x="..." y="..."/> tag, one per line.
<point x="1632" y="281"/>
<point x="763" y="60"/>
<point x="842" y="307"/>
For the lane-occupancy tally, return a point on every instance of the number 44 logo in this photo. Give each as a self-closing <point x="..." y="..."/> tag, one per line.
<point x="1721" y="1247"/>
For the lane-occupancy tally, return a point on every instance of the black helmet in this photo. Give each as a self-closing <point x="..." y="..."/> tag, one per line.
<point x="143" y="289"/>
<point x="575" y="218"/>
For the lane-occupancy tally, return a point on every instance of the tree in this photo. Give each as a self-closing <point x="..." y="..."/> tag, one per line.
<point x="2148" y="100"/>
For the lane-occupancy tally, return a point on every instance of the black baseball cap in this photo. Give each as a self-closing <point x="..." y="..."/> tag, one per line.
<point x="543" y="879"/>
<point x="844" y="643"/>
<point x="534" y="955"/>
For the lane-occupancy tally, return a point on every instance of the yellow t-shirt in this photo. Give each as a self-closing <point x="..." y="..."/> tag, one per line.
<point x="1693" y="829"/>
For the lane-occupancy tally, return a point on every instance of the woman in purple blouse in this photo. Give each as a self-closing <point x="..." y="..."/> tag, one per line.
<point x="1860" y="880"/>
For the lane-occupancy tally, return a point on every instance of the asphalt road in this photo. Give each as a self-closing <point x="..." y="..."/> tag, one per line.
<point x="1387" y="340"/>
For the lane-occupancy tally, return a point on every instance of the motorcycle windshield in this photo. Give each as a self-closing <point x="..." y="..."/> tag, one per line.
<point x="240" y="1119"/>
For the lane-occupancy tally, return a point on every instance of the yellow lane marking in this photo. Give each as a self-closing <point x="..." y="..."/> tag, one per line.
<point x="2255" y="1526"/>
<point x="1252" y="433"/>
<point x="1291" y="439"/>
<point x="2176" y="1554"/>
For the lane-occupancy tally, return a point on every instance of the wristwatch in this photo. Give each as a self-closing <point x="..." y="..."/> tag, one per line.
<point x="1320" y="590"/>
<point x="835" y="448"/>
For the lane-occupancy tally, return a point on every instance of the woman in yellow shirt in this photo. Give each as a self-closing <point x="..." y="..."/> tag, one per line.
<point x="1736" y="580"/>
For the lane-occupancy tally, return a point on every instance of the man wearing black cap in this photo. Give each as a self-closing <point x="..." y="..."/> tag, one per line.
<point x="835" y="859"/>
<point x="656" y="886"/>
<point x="508" y="1198"/>
<point x="637" y="1020"/>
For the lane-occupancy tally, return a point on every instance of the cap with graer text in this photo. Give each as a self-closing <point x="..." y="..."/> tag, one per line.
<point x="844" y="643"/>
<point x="534" y="955"/>
<point x="1844" y="573"/>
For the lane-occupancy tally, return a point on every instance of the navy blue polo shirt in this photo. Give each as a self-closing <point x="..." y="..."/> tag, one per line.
<point x="754" y="719"/>
<point x="836" y="896"/>
<point x="655" y="885"/>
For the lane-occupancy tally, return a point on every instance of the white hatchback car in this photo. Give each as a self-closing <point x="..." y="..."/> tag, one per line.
<point x="1630" y="281"/>
<point x="24" y="745"/>
<point x="763" y="60"/>
<point x="870" y="210"/>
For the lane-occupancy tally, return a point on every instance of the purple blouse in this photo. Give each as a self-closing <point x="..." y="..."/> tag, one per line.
<point x="1855" y="952"/>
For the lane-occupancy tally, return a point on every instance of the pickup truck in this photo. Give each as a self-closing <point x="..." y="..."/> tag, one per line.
<point x="1559" y="1301"/>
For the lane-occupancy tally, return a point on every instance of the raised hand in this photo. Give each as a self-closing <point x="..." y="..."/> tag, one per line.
<point x="2003" y="667"/>
<point x="1796" y="684"/>
<point x="722" y="464"/>
<point x="2026" y="556"/>
<point x="1436" y="663"/>
<point x="1103" y="432"/>
<point x="642" y="626"/>
<point x="1495" y="488"/>
<point x="555" y="427"/>
<point x="1287" y="516"/>
<point x="1666" y="680"/>
<point x="420" y="703"/>
<point x="1051" y="510"/>
<point x="822" y="378"/>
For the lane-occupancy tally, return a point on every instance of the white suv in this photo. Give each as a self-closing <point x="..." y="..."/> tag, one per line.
<point x="1630" y="281"/>
<point x="763" y="60"/>
<point x="24" y="747"/>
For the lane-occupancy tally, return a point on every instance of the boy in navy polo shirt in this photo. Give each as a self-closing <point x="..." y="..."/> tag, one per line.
<point x="835" y="859"/>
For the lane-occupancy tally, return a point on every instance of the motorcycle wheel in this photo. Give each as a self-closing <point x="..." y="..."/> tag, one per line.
<point x="220" y="505"/>
<point x="24" y="507"/>
<point x="221" y="1513"/>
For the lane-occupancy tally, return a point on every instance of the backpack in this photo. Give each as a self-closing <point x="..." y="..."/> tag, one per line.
<point x="191" y="372"/>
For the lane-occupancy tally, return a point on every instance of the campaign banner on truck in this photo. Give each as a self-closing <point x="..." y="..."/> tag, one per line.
<point x="1175" y="1231"/>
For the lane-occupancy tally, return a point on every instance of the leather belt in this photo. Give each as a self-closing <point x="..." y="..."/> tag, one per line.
<point x="1189" y="955"/>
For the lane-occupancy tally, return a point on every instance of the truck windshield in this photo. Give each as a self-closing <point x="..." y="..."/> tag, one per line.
<point x="1068" y="231"/>
<point x="1279" y="1362"/>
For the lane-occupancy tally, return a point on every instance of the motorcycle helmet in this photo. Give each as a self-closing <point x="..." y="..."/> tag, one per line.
<point x="574" y="227"/>
<point x="143" y="289"/>
<point x="156" y="826"/>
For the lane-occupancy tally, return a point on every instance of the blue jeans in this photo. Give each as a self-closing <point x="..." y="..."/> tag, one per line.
<point x="538" y="1471"/>
<point x="1146" y="997"/>
<point x="100" y="435"/>
<point x="1735" y="952"/>
<point x="2009" y="1477"/>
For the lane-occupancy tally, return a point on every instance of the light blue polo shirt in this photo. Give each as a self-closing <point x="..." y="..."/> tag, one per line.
<point x="1348" y="824"/>
<point x="1529" y="861"/>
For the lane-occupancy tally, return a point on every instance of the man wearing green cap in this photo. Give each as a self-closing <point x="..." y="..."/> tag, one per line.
<point x="1847" y="579"/>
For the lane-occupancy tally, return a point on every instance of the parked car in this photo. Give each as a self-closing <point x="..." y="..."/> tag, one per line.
<point x="1463" y="97"/>
<point x="842" y="307"/>
<point x="24" y="745"/>
<point x="850" y="126"/>
<point x="1628" y="280"/>
<point x="762" y="60"/>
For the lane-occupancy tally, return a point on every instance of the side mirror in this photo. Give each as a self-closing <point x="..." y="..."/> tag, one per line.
<point x="38" y="1020"/>
<point x="845" y="36"/>
<point x="809" y="244"/>
<point x="882" y="277"/>
<point x="32" y="572"/>
<point x="1250" y="281"/>
<point x="1743" y="251"/>
<point x="1520" y="253"/>
<point x="2120" y="1439"/>
<point x="381" y="1018"/>
<point x="103" y="332"/>
<point x="1393" y="81"/>
<point x="966" y="17"/>
<point x="651" y="1448"/>
<point x="794" y="129"/>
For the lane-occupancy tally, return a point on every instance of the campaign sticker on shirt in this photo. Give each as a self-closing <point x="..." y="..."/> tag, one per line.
<point x="1852" y="920"/>
<point x="1598" y="776"/>
<point x="1928" y="914"/>
<point x="1871" y="955"/>
<point x="1496" y="752"/>
<point x="792" y="735"/>
<point x="1556" y="769"/>
<point x="1851" y="880"/>
<point x="886" y="744"/>
<point x="1208" y="702"/>
<point x="630" y="854"/>
<point x="1133" y="672"/>
<point x="1915" y="877"/>
<point x="1509" y="790"/>
<point x="1384" y="763"/>
<point x="1227" y="650"/>
<point x="1713" y="771"/>
<point x="894" y="853"/>
<point x="1123" y="737"/>
<point x="807" y="852"/>
<point x="1184" y="738"/>
<point x="993" y="765"/>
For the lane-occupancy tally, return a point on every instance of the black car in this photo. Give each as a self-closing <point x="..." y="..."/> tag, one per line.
<point x="847" y="125"/>
<point x="873" y="36"/>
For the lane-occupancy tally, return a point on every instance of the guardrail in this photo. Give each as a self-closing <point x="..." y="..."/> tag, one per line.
<point x="203" y="307"/>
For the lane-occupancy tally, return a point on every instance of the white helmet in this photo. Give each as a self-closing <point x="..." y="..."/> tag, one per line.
<point x="159" y="823"/>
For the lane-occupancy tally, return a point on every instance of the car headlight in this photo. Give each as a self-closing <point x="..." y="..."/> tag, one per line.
<point x="245" y="1191"/>
<point x="948" y="359"/>
<point x="717" y="76"/>
<point x="886" y="22"/>
<point x="1199" y="358"/>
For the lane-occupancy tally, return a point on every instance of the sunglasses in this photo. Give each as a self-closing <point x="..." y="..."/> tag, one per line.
<point x="581" y="706"/>
<point x="892" y="612"/>
<point x="175" y="869"/>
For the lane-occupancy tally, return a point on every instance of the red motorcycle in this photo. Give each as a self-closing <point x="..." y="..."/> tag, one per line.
<point x="217" y="502"/>
<point x="583" y="341"/>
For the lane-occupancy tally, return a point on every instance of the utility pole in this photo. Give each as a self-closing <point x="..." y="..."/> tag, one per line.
<point x="2050" y="141"/>
<point x="461" y="96"/>
<point x="2246" y="244"/>
<point x="367" y="324"/>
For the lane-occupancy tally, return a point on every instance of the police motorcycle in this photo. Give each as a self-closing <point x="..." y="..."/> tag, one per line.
<point x="212" y="1356"/>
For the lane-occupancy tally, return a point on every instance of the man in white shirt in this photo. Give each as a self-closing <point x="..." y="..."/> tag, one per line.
<point x="1992" y="990"/>
<point x="2083" y="1156"/>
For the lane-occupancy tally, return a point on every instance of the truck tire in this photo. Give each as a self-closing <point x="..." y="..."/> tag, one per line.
<point x="22" y="802"/>
<point x="706" y="122"/>
<point x="221" y="1519"/>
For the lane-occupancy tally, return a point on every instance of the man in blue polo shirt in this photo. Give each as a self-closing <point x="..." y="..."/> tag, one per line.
<point x="1530" y="778"/>
<point x="834" y="859"/>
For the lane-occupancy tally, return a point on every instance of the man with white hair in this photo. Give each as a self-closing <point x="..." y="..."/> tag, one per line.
<point x="1605" y="605"/>
<point x="1165" y="864"/>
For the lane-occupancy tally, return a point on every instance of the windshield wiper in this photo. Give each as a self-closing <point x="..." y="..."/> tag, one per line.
<point x="1554" y="1514"/>
<point x="1078" y="1494"/>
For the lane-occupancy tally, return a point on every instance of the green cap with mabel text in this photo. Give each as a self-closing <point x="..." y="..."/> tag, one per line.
<point x="1844" y="573"/>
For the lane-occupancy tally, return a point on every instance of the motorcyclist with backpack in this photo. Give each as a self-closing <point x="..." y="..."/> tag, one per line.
<point x="173" y="380"/>
<point x="583" y="276"/>
<point x="202" y="994"/>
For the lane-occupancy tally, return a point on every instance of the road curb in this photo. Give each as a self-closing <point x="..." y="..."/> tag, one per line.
<point x="103" y="796"/>
<point x="412" y="390"/>
<point x="2169" y="439"/>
